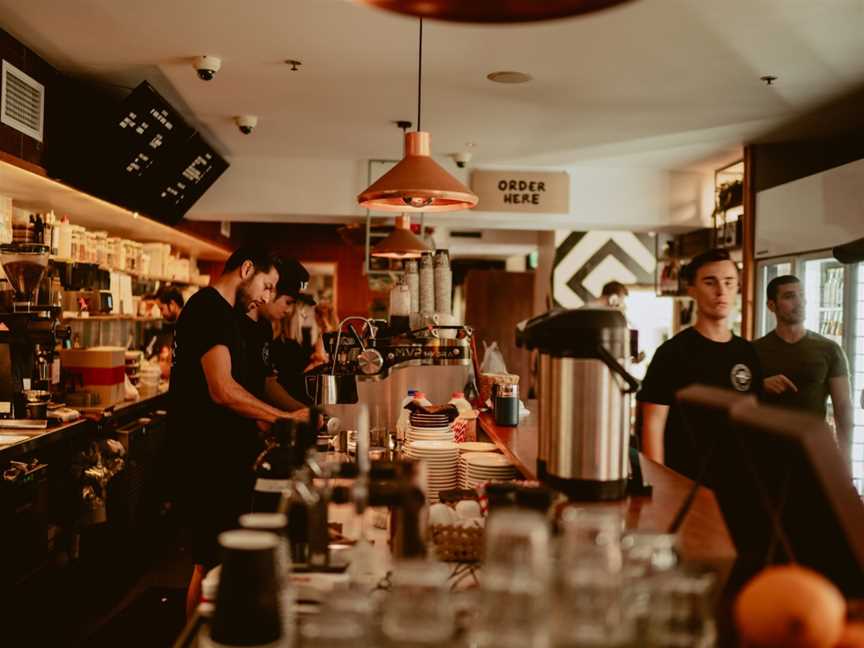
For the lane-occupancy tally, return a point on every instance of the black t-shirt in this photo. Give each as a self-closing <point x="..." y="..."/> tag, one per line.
<point x="259" y="337"/>
<point x="218" y="446"/>
<point x="289" y="359"/>
<point x="691" y="358"/>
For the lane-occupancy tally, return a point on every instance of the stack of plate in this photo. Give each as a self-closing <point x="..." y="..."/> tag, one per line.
<point x="424" y="420"/>
<point x="480" y="467"/>
<point x="441" y="458"/>
<point x="415" y="434"/>
<point x="472" y="446"/>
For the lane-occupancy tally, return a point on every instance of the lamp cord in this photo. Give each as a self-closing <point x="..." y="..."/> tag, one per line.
<point x="420" y="75"/>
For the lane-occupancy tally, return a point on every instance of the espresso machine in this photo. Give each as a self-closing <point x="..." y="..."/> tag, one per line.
<point x="585" y="393"/>
<point x="29" y="332"/>
<point x="375" y="365"/>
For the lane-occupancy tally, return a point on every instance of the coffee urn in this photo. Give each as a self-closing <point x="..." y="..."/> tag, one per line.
<point x="584" y="400"/>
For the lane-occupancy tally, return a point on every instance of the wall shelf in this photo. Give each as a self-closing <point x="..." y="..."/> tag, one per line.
<point x="30" y="190"/>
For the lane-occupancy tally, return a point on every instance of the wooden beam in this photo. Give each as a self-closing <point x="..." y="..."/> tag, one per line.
<point x="748" y="248"/>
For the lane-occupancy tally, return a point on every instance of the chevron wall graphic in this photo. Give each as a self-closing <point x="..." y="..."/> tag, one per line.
<point x="586" y="261"/>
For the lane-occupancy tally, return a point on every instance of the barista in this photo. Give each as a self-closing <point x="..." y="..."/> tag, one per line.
<point x="170" y="301"/>
<point x="266" y="323"/>
<point x="214" y="415"/>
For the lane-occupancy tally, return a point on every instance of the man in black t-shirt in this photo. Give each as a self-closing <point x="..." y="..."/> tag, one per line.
<point x="265" y="322"/>
<point x="707" y="353"/>
<point x="214" y="416"/>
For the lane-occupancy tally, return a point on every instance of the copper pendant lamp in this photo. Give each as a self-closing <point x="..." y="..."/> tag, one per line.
<point x="401" y="243"/>
<point x="417" y="183"/>
<point x="494" y="11"/>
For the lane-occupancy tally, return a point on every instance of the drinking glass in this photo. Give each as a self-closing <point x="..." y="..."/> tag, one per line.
<point x="681" y="613"/>
<point x="515" y="582"/>
<point x="418" y="608"/>
<point x="332" y="629"/>
<point x="646" y="554"/>
<point x="591" y="602"/>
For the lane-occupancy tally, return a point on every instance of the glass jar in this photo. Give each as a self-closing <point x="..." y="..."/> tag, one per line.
<point x="78" y="243"/>
<point x="101" y="246"/>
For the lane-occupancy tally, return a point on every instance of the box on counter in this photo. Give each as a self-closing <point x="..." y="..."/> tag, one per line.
<point x="101" y="370"/>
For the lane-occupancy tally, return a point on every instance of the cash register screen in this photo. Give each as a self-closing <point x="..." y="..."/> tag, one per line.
<point x="781" y="485"/>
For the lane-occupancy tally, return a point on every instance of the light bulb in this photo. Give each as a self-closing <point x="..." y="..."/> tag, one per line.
<point x="417" y="201"/>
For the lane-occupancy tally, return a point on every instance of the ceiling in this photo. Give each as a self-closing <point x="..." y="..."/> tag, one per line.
<point x="668" y="84"/>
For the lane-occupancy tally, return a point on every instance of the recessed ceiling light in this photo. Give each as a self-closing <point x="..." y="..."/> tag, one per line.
<point x="508" y="76"/>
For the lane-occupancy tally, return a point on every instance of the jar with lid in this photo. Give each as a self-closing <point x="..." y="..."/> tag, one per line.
<point x="90" y="255"/>
<point x="101" y="245"/>
<point x="78" y="242"/>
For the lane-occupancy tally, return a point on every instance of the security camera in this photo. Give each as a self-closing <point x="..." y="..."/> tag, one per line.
<point x="462" y="159"/>
<point x="207" y="67"/>
<point x="246" y="123"/>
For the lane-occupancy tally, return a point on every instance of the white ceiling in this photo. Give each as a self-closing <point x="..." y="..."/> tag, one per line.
<point x="659" y="83"/>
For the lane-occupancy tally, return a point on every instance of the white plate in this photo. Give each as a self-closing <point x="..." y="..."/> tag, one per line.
<point x="434" y="445"/>
<point x="476" y="446"/>
<point x="487" y="460"/>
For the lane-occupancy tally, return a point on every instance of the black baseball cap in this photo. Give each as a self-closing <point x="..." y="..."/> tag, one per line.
<point x="293" y="278"/>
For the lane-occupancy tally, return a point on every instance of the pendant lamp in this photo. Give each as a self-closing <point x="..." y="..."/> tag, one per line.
<point x="417" y="183"/>
<point x="401" y="243"/>
<point x="494" y="11"/>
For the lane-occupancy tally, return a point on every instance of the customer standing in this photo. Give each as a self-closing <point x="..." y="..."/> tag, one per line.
<point x="212" y="412"/>
<point x="802" y="367"/>
<point x="708" y="353"/>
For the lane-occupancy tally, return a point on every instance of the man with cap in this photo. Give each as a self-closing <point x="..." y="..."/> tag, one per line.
<point x="265" y="324"/>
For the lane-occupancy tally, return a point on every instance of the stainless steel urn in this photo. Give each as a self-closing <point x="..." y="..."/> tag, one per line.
<point x="584" y="391"/>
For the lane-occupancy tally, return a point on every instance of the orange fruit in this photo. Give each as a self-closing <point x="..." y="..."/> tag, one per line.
<point x="792" y="607"/>
<point x="853" y="635"/>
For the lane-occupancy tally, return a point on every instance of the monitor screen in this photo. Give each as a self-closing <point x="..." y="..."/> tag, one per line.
<point x="781" y="484"/>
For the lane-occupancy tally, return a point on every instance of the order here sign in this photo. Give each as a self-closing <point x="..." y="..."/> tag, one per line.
<point x="522" y="191"/>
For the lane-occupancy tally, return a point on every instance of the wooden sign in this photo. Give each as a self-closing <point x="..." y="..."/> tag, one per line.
<point x="522" y="191"/>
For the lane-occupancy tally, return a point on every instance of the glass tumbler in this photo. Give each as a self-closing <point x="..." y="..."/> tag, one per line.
<point x="417" y="610"/>
<point x="591" y="603"/>
<point x="681" y="613"/>
<point x="515" y="582"/>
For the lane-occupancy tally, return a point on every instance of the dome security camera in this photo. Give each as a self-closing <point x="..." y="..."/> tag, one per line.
<point x="246" y="123"/>
<point x="462" y="159"/>
<point x="207" y="66"/>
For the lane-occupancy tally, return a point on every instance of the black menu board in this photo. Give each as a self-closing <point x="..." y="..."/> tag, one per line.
<point x="147" y="131"/>
<point x="139" y="152"/>
<point x="182" y="179"/>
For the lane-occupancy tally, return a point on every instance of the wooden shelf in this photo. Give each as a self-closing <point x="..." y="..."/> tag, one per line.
<point x="30" y="190"/>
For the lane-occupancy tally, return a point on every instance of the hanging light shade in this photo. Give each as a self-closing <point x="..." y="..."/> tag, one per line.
<point x="401" y="243"/>
<point x="494" y="11"/>
<point x="417" y="183"/>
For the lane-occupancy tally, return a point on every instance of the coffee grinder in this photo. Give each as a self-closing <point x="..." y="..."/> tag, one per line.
<point x="29" y="333"/>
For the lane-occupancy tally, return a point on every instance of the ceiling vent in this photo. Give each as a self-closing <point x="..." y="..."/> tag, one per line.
<point x="22" y="102"/>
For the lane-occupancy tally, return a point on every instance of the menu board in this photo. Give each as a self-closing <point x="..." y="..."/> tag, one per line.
<point x="145" y="133"/>
<point x="139" y="153"/>
<point x="182" y="179"/>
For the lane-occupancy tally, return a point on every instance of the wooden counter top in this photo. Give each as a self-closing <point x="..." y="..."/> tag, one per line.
<point x="703" y="536"/>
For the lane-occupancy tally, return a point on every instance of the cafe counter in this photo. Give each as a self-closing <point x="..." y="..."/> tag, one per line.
<point x="703" y="536"/>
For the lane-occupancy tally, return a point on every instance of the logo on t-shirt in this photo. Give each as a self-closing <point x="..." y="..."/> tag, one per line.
<point x="741" y="377"/>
